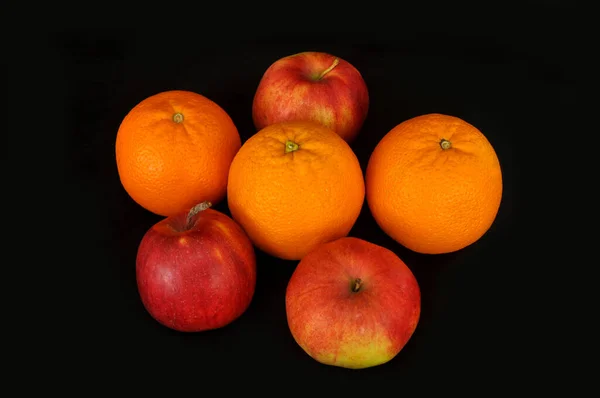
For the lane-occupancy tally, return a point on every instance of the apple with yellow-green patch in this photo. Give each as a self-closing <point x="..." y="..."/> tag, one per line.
<point x="315" y="86"/>
<point x="196" y="270"/>
<point x="353" y="304"/>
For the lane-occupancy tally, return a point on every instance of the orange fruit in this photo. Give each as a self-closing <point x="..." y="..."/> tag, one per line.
<point x="434" y="184"/>
<point x="294" y="185"/>
<point x="174" y="150"/>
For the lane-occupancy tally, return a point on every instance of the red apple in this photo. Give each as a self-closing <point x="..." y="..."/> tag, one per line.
<point x="353" y="304"/>
<point x="196" y="270"/>
<point x="312" y="86"/>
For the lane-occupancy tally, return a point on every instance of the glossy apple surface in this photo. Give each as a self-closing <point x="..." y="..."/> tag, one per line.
<point x="353" y="304"/>
<point x="312" y="86"/>
<point x="196" y="270"/>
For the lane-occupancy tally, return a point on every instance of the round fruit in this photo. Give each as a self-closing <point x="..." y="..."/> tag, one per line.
<point x="434" y="184"/>
<point x="352" y="303"/>
<point x="313" y="86"/>
<point x="196" y="270"/>
<point x="174" y="150"/>
<point x="294" y="185"/>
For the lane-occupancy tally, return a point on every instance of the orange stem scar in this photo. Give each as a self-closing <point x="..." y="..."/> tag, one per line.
<point x="291" y="146"/>
<point x="178" y="117"/>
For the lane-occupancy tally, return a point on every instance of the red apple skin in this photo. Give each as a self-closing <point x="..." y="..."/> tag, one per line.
<point x="291" y="90"/>
<point x="197" y="278"/>
<point x="355" y="330"/>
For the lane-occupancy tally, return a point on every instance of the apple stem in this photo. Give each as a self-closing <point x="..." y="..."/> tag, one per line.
<point x="195" y="210"/>
<point x="445" y="144"/>
<point x="356" y="285"/>
<point x="326" y="71"/>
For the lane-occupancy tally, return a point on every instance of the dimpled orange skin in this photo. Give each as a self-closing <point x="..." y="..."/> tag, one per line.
<point x="288" y="203"/>
<point x="169" y="163"/>
<point x="429" y="199"/>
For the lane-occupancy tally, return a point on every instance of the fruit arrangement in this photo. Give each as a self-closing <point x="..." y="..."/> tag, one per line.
<point x="295" y="189"/>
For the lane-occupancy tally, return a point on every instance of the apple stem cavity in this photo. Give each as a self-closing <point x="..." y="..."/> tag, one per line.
<point x="178" y="117"/>
<point x="195" y="210"/>
<point x="445" y="144"/>
<point x="326" y="71"/>
<point x="291" y="146"/>
<point x="356" y="285"/>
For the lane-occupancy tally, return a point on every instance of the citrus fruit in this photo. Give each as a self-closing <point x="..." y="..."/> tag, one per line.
<point x="434" y="184"/>
<point x="294" y="185"/>
<point x="174" y="149"/>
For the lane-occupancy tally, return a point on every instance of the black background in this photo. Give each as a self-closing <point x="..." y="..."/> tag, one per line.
<point x="503" y="69"/>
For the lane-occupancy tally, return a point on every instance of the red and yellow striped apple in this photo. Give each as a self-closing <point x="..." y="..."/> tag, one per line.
<point x="196" y="270"/>
<point x="312" y="86"/>
<point x="353" y="304"/>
